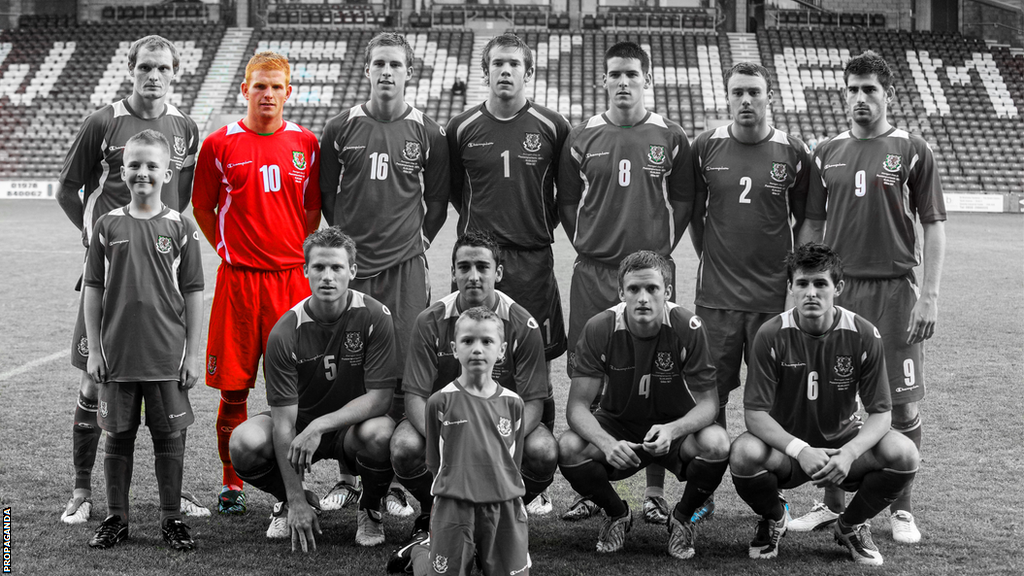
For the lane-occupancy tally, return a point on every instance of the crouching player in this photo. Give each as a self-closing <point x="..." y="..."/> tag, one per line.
<point x="330" y="372"/>
<point x="658" y="407"/>
<point x="143" y="316"/>
<point x="809" y="365"/>
<point x="476" y="267"/>
<point x="474" y="438"/>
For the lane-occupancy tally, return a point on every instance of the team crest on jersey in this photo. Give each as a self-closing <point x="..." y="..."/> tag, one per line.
<point x="103" y="409"/>
<point x="778" y="172"/>
<point x="179" y="146"/>
<point x="163" y="244"/>
<point x="844" y="366"/>
<point x="298" y="160"/>
<point x="83" y="347"/>
<point x="440" y="564"/>
<point x="504" y="426"/>
<point x="211" y="365"/>
<point x="411" y="152"/>
<point x="353" y="342"/>
<point x="532" y="142"/>
<point x="663" y="362"/>
<point x="893" y="162"/>
<point x="656" y="154"/>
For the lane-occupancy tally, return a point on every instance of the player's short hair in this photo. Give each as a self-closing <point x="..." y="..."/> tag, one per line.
<point x="481" y="314"/>
<point x="645" y="260"/>
<point x="330" y="237"/>
<point x="869" y="63"/>
<point x="628" y="50"/>
<point x="506" y="40"/>
<point x="268" y="61"/>
<point x="478" y="239"/>
<point x="150" y="137"/>
<point x="815" y="257"/>
<point x="388" y="39"/>
<point x="749" y="69"/>
<point x="152" y="42"/>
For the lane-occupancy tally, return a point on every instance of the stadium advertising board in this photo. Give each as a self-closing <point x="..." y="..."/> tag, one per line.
<point x="975" y="202"/>
<point x="28" y="189"/>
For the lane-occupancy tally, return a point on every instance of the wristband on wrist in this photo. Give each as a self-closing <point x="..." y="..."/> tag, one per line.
<point x="794" y="448"/>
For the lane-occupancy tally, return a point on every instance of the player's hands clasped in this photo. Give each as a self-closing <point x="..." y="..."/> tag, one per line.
<point x="835" y="471"/>
<point x="302" y="448"/>
<point x="302" y="523"/>
<point x="622" y="455"/>
<point x="813" y="459"/>
<point x="922" y="320"/>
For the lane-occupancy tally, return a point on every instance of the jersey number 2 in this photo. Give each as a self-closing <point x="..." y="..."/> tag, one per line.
<point x="746" y="182"/>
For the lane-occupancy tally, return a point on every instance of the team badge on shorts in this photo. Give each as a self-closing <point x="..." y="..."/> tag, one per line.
<point x="440" y="564"/>
<point x="893" y="162"/>
<point x="83" y="347"/>
<point x="103" y="409"/>
<point x="504" y="426"/>
<point x="353" y="342"/>
<point x="656" y="154"/>
<point x="211" y="365"/>
<point x="179" y="146"/>
<point x="163" y="244"/>
<point x="844" y="366"/>
<point x="532" y="142"/>
<point x="778" y="172"/>
<point x="663" y="362"/>
<point x="298" y="160"/>
<point x="411" y="152"/>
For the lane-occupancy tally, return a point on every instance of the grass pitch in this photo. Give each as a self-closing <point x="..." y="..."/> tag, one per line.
<point x="967" y="496"/>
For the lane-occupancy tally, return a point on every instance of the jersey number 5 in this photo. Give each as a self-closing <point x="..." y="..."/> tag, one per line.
<point x="331" y="367"/>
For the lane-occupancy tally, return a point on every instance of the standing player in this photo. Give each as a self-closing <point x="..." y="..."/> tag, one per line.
<point x="751" y="190"/>
<point x="330" y="377"/>
<point x="809" y="365"/>
<point x="504" y="160"/>
<point x="658" y="406"/>
<point x="144" y="314"/>
<point x="875" y="179"/>
<point x="476" y="267"/>
<point x="256" y="198"/>
<point x="92" y="165"/>
<point x="385" y="181"/>
<point x="624" y="184"/>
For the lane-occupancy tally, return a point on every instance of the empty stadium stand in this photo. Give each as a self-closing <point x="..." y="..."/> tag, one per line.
<point x="963" y="96"/>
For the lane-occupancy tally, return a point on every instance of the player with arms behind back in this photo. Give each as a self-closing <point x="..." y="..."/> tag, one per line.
<point x="876" y="180"/>
<point x="624" y="184"/>
<point x="256" y="198"/>
<point x="809" y="366"/>
<point x="751" y="181"/>
<point x="504" y="160"/>
<point x="93" y="164"/>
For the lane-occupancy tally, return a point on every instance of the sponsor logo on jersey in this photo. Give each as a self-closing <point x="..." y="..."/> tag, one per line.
<point x="195" y="235"/>
<point x="298" y="160"/>
<point x="844" y="366"/>
<point x="695" y="322"/>
<point x="596" y="154"/>
<point x="440" y="564"/>
<point x="453" y="422"/>
<point x="892" y="163"/>
<point x="532" y="142"/>
<point x="478" y="144"/>
<point x="163" y="244"/>
<point x="827" y="166"/>
<point x="353" y="342"/>
<point x="233" y="164"/>
<point x="116" y="242"/>
<point x="778" y="172"/>
<point x="179" y="145"/>
<point x="211" y="365"/>
<point x="656" y="154"/>
<point x="103" y="409"/>
<point x="504" y="426"/>
<point x="83" y="347"/>
<point x="877" y="335"/>
<point x="176" y="415"/>
<point x="664" y="362"/>
<point x="531" y="323"/>
<point x="411" y="152"/>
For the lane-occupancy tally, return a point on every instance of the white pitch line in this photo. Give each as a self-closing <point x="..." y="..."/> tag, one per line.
<point x="40" y="361"/>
